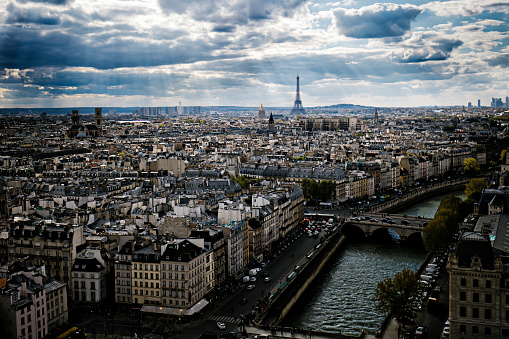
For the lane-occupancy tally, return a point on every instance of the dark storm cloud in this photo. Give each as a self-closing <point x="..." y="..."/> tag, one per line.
<point x="22" y="15"/>
<point x="501" y="60"/>
<point x="377" y="21"/>
<point x="239" y="12"/>
<point x="223" y="28"/>
<point x="427" y="48"/>
<point x="28" y="48"/>
<point x="52" y="2"/>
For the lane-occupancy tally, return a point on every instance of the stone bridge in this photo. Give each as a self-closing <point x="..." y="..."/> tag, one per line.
<point x="370" y="228"/>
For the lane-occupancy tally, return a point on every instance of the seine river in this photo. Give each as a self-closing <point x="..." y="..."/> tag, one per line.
<point x="341" y="298"/>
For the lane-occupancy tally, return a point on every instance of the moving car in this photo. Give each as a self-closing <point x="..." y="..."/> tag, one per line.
<point x="251" y="287"/>
<point x="221" y="325"/>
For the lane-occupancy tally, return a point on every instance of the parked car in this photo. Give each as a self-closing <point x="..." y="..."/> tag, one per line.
<point x="419" y="331"/>
<point x="266" y="279"/>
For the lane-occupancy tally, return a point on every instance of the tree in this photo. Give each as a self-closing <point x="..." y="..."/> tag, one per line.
<point x="394" y="295"/>
<point x="471" y="165"/>
<point x="474" y="188"/>
<point x="326" y="189"/>
<point x="435" y="236"/>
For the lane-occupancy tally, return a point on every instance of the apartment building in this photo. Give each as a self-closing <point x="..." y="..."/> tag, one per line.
<point x="478" y="288"/>
<point x="183" y="274"/>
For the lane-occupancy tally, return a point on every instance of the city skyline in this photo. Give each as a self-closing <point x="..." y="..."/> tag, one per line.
<point x="65" y="53"/>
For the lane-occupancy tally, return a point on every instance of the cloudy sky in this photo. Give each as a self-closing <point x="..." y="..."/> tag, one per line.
<point x="70" y="53"/>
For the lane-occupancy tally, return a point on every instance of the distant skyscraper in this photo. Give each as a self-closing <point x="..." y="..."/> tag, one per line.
<point x="478" y="102"/>
<point x="297" y="105"/>
<point x="496" y="102"/>
<point x="506" y="101"/>
<point x="469" y="105"/>
<point x="196" y="110"/>
<point x="180" y="109"/>
<point x="376" y="114"/>
<point x="261" y="112"/>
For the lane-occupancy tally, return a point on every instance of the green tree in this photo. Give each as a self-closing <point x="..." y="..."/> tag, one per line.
<point x="471" y="165"/>
<point x="326" y="189"/>
<point x="449" y="128"/>
<point x="394" y="295"/>
<point x="474" y="188"/>
<point x="244" y="181"/>
<point x="435" y="235"/>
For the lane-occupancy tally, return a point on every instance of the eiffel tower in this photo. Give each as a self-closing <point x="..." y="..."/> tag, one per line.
<point x="297" y="105"/>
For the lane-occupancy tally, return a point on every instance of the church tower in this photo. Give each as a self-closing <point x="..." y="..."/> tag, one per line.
<point x="271" y="122"/>
<point x="99" y="120"/>
<point x="4" y="206"/>
<point x="75" y="118"/>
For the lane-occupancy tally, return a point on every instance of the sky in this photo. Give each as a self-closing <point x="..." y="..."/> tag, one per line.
<point x="72" y="53"/>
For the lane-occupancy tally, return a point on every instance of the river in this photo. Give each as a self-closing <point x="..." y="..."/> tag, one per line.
<point x="341" y="298"/>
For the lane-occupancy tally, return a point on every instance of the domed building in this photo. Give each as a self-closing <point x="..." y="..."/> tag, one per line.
<point x="261" y="112"/>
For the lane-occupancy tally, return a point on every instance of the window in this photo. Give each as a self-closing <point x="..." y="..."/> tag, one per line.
<point x="487" y="298"/>
<point x="463" y="282"/>
<point x="488" y="283"/>
<point x="463" y="311"/>
<point x="487" y="314"/>
<point x="475" y="330"/>
<point x="23" y="321"/>
<point x="476" y="283"/>
<point x="475" y="312"/>
<point x="92" y="285"/>
<point x="487" y="331"/>
<point x="135" y="266"/>
<point x="475" y="297"/>
<point x="182" y="267"/>
<point x="463" y="329"/>
<point x="463" y="296"/>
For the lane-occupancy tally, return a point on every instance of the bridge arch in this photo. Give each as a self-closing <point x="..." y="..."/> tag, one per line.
<point x="415" y="237"/>
<point x="384" y="232"/>
<point x="353" y="230"/>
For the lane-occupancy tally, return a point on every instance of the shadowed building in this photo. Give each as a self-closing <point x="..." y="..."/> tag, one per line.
<point x="479" y="284"/>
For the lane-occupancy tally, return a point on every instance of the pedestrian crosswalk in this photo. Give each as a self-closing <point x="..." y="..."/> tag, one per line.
<point x="224" y="319"/>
